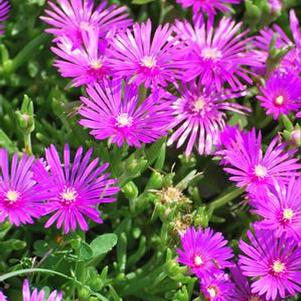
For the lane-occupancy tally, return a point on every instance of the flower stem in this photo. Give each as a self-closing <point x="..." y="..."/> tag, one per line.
<point x="221" y="201"/>
<point x="27" y="143"/>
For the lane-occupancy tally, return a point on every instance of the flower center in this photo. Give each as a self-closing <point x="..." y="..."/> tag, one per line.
<point x="278" y="267"/>
<point x="12" y="196"/>
<point x="96" y="65"/>
<point x="288" y="214"/>
<point x="212" y="291"/>
<point x="199" y="105"/>
<point x="148" y="62"/>
<point x="254" y="298"/>
<point x="124" y="120"/>
<point x="69" y="195"/>
<point x="260" y="171"/>
<point x="211" y="54"/>
<point x="279" y="100"/>
<point x="198" y="261"/>
<point x="85" y="25"/>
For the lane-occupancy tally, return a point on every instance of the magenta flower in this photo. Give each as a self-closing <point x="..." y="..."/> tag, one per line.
<point x="20" y="197"/>
<point x="76" y="189"/>
<point x="121" y="117"/>
<point x="217" y="287"/>
<point x="273" y="263"/>
<point x="200" y="115"/>
<point x="140" y="58"/>
<point x="204" y="251"/>
<point x="281" y="94"/>
<point x="217" y="55"/>
<point x="210" y="7"/>
<point x="292" y="60"/>
<point x="39" y="295"/>
<point x="280" y="209"/>
<point x="2" y="297"/>
<point x="252" y="168"/>
<point x="4" y="10"/>
<point x="242" y="290"/>
<point x="87" y="64"/>
<point x="73" y="18"/>
<point x="275" y="5"/>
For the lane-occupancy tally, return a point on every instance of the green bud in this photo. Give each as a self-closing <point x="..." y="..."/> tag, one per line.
<point x="135" y="166"/>
<point x="83" y="294"/>
<point x="201" y="217"/>
<point x="296" y="136"/>
<point x="130" y="190"/>
<point x="155" y="181"/>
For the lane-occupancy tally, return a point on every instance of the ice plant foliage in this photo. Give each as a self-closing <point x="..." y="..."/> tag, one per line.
<point x="210" y="7"/>
<point x="200" y="116"/>
<point x="119" y="115"/>
<point x="280" y="209"/>
<point x="281" y="94"/>
<point x="249" y="166"/>
<point x="4" y="10"/>
<point x="204" y="251"/>
<point x="73" y="18"/>
<point x="218" y="55"/>
<point x="39" y="295"/>
<point x="20" y="197"/>
<point x="76" y="189"/>
<point x="143" y="59"/>
<point x="273" y="263"/>
<point x="86" y="64"/>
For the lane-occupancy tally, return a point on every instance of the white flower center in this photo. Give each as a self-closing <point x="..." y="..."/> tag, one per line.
<point x="124" y="120"/>
<point x="279" y="100"/>
<point x="96" y="65"/>
<point x="212" y="291"/>
<point x="211" y="53"/>
<point x="199" y="105"/>
<point x="148" y="61"/>
<point x="69" y="195"/>
<point x="278" y="267"/>
<point x="288" y="214"/>
<point x="198" y="261"/>
<point x="12" y="196"/>
<point x="260" y="171"/>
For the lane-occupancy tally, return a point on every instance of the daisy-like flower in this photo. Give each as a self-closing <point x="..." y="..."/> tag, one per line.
<point x="273" y="263"/>
<point x="204" y="251"/>
<point x="73" y="18"/>
<point x="138" y="57"/>
<point x="200" y="115"/>
<point x="210" y="7"/>
<point x="281" y="94"/>
<point x="75" y="188"/>
<point x="252" y="168"/>
<point x="217" y="55"/>
<point x="118" y="114"/>
<point x="4" y="10"/>
<point x="280" y="209"/>
<point x="292" y="60"/>
<point x="242" y="289"/>
<point x="39" y="295"/>
<point x="20" y="198"/>
<point x="217" y="287"/>
<point x="87" y="64"/>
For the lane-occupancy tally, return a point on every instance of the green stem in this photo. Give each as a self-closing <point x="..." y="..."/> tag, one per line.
<point x="221" y="201"/>
<point x="27" y="143"/>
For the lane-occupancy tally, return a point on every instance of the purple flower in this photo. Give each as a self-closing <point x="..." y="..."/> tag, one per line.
<point x="73" y="18"/>
<point x="281" y="94"/>
<point x="217" y="288"/>
<point x="217" y="55"/>
<point x="252" y="168"/>
<point x="280" y="209"/>
<point x="4" y="10"/>
<point x="2" y="297"/>
<point x="292" y="60"/>
<point x="210" y="7"/>
<point x="200" y="115"/>
<point x="242" y="290"/>
<point x="204" y="251"/>
<point x="273" y="263"/>
<point x="140" y="58"/>
<point x="117" y="114"/>
<point x="75" y="189"/>
<point x="39" y="295"/>
<point x="275" y="5"/>
<point x="20" y="197"/>
<point x="87" y="64"/>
